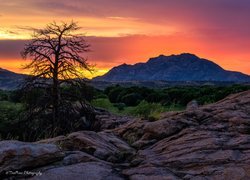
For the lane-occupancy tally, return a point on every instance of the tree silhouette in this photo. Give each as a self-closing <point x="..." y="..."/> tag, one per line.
<point x="56" y="58"/>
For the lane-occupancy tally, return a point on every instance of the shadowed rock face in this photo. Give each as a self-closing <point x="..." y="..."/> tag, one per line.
<point x="209" y="142"/>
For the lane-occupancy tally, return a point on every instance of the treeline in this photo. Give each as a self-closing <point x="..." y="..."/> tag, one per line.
<point x="132" y="96"/>
<point x="137" y="101"/>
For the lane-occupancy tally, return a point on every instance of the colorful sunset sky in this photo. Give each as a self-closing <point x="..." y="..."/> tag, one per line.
<point x="131" y="31"/>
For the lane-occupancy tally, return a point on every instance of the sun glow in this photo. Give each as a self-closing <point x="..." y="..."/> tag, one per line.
<point x="94" y="73"/>
<point x="16" y="66"/>
<point x="13" y="34"/>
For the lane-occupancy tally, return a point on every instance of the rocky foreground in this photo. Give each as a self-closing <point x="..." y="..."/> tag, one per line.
<point x="209" y="142"/>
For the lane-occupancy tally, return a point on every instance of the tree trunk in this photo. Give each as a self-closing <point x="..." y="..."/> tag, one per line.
<point x="55" y="96"/>
<point x="55" y="101"/>
<point x="56" y="85"/>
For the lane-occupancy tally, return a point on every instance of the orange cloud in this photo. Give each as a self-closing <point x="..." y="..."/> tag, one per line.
<point x="112" y="51"/>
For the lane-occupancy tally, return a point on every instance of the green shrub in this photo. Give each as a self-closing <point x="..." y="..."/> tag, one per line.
<point x="3" y="95"/>
<point x="73" y="93"/>
<point x="9" y="114"/>
<point x="148" y="110"/>
<point x="16" y="96"/>
<point x="102" y="103"/>
<point x="120" y="106"/>
<point x="105" y="104"/>
<point x="101" y="96"/>
<point x="132" y="99"/>
<point x="114" y="93"/>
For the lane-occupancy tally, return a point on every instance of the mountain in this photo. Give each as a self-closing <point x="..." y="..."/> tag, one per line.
<point x="183" y="67"/>
<point x="10" y="80"/>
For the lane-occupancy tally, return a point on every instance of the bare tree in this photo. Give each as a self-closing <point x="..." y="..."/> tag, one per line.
<point x="56" y="54"/>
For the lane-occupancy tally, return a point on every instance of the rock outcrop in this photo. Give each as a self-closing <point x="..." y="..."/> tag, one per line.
<point x="207" y="142"/>
<point x="212" y="142"/>
<point x="109" y="121"/>
<point x="16" y="155"/>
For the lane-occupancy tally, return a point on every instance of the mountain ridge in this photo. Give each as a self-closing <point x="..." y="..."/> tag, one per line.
<point x="182" y="67"/>
<point x="10" y="80"/>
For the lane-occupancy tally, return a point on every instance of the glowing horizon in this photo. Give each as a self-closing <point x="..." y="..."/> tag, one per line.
<point x="133" y="31"/>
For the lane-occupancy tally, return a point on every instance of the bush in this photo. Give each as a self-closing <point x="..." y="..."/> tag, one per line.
<point x="100" y="96"/>
<point x="9" y="111"/>
<point x="132" y="99"/>
<point x="147" y="110"/>
<point x="73" y="93"/>
<point x="3" y="95"/>
<point x="114" y="93"/>
<point x="120" y="106"/>
<point x="9" y="115"/>
<point x="33" y="96"/>
<point x="16" y="96"/>
<point x="102" y="103"/>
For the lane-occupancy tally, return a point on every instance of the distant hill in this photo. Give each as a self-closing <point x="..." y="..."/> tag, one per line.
<point x="10" y="80"/>
<point x="183" y="67"/>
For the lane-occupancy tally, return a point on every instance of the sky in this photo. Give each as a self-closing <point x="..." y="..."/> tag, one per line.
<point x="131" y="31"/>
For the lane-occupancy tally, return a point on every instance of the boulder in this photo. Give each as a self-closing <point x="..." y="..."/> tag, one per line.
<point x="110" y="121"/>
<point x="56" y="140"/>
<point x="192" y="105"/>
<point x="80" y="171"/>
<point x="16" y="155"/>
<point x="102" y="145"/>
<point x="74" y="157"/>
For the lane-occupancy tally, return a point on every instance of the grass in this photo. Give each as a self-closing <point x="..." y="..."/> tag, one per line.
<point x="151" y="111"/>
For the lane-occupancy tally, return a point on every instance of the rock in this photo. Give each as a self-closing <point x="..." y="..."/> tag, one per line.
<point x="192" y="105"/>
<point x="89" y="170"/>
<point x="149" y="172"/>
<point x="168" y="114"/>
<point x="16" y="155"/>
<point x="103" y="145"/>
<point x="56" y="140"/>
<point x="110" y="121"/>
<point x="140" y="133"/>
<point x="131" y="131"/>
<point x="211" y="142"/>
<point x="74" y="157"/>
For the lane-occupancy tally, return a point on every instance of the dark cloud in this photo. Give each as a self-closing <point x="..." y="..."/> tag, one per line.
<point x="165" y="9"/>
<point x="10" y="49"/>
